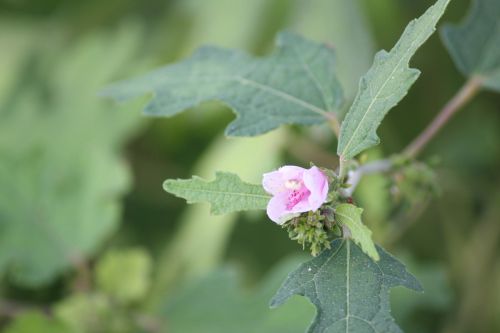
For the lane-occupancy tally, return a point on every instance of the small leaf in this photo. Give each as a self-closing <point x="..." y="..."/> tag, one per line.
<point x="350" y="216"/>
<point x="475" y="44"/>
<point x="350" y="291"/>
<point x="227" y="193"/>
<point x="296" y="84"/>
<point x="385" y="84"/>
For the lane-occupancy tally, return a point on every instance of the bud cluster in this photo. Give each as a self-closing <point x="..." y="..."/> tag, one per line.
<point x="414" y="182"/>
<point x="313" y="229"/>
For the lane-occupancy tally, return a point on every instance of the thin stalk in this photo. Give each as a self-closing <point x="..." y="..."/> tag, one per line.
<point x="342" y="168"/>
<point x="463" y="96"/>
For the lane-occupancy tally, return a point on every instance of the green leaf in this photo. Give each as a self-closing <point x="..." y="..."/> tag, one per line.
<point x="474" y="45"/>
<point x="227" y="193"/>
<point x="179" y="260"/>
<point x="385" y="84"/>
<point x="350" y="291"/>
<point x="350" y="216"/>
<point x="218" y="303"/>
<point x="296" y="85"/>
<point x="124" y="274"/>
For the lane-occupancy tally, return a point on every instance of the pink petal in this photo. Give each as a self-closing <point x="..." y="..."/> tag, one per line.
<point x="283" y="205"/>
<point x="273" y="182"/>
<point x="276" y="208"/>
<point x="317" y="183"/>
<point x="292" y="172"/>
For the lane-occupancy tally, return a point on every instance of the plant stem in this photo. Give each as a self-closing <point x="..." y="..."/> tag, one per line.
<point x="464" y="95"/>
<point x="342" y="168"/>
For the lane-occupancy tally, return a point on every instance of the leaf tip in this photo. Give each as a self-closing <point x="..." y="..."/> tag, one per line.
<point x="279" y="298"/>
<point x="414" y="284"/>
<point x="274" y="303"/>
<point x="167" y="185"/>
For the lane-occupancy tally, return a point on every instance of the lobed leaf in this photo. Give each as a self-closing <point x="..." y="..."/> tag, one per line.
<point x="350" y="216"/>
<point x="349" y="290"/>
<point x="296" y="84"/>
<point x="226" y="194"/>
<point x="385" y="84"/>
<point x="474" y="45"/>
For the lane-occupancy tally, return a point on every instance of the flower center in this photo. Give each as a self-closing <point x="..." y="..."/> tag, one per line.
<point x="293" y="184"/>
<point x="295" y="196"/>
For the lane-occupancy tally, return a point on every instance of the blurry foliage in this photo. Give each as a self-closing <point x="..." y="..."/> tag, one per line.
<point x="478" y="32"/>
<point x="417" y="313"/>
<point x="124" y="274"/>
<point x="32" y="321"/>
<point x="215" y="304"/>
<point x="63" y="175"/>
<point x="62" y="183"/>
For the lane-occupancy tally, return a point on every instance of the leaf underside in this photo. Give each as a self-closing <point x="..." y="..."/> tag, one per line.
<point x="294" y="85"/>
<point x="226" y="194"/>
<point x="385" y="84"/>
<point x="474" y="45"/>
<point x="349" y="290"/>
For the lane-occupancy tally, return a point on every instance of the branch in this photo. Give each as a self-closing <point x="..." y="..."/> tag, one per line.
<point x="355" y="176"/>
<point x="463" y="96"/>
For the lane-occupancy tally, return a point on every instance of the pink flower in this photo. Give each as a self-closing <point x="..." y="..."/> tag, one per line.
<point x="295" y="190"/>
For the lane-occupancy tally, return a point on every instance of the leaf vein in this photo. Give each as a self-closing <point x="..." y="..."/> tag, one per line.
<point x="375" y="98"/>
<point x="313" y="77"/>
<point x="281" y="94"/>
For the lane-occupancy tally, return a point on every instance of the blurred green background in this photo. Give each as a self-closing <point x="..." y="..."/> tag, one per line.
<point x="89" y="241"/>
